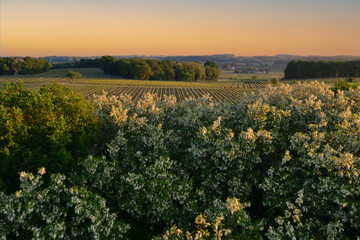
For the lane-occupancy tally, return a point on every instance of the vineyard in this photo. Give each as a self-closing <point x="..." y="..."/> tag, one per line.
<point x="94" y="81"/>
<point x="229" y="88"/>
<point x="220" y="92"/>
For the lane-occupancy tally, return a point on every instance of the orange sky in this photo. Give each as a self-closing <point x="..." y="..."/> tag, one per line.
<point x="198" y="27"/>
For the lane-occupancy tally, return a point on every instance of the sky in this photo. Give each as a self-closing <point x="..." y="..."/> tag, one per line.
<point x="183" y="27"/>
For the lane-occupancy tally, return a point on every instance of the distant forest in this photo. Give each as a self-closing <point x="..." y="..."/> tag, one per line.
<point x="27" y="65"/>
<point x="322" y="69"/>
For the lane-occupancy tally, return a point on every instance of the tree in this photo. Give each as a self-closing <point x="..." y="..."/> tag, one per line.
<point x="186" y="76"/>
<point x="254" y="78"/>
<point x="52" y="127"/>
<point x="36" y="211"/>
<point x="212" y="73"/>
<point x="141" y="70"/>
<point x="275" y="81"/>
<point x="73" y="75"/>
<point x="135" y="68"/>
<point x="211" y="64"/>
<point x="107" y="64"/>
<point x="16" y="65"/>
<point x="322" y="69"/>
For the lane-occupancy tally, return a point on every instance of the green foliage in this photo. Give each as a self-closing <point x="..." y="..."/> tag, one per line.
<point x="56" y="212"/>
<point x="343" y="85"/>
<point x="185" y="76"/>
<point x="321" y="69"/>
<point x="275" y="81"/>
<point x="82" y="63"/>
<point x="311" y="178"/>
<point x="211" y="64"/>
<point x="27" y="65"/>
<point x="212" y="73"/>
<point x="73" y="75"/>
<point x="51" y="127"/>
<point x="135" y="68"/>
<point x="350" y="79"/>
<point x="286" y="150"/>
<point x="290" y="152"/>
<point x="227" y="220"/>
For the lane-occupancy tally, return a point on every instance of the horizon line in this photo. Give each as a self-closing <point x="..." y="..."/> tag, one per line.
<point x="195" y="55"/>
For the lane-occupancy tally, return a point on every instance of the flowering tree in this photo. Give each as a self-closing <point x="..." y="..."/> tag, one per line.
<point x="291" y="153"/>
<point x="56" y="211"/>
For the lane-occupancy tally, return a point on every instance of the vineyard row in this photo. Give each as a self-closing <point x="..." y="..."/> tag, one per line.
<point x="227" y="94"/>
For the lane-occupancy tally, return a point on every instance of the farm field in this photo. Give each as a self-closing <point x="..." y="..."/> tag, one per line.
<point x="94" y="81"/>
<point x="219" y="94"/>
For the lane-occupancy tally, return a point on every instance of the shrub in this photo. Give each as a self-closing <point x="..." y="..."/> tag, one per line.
<point x="73" y="75"/>
<point x="343" y="85"/>
<point x="275" y="81"/>
<point x="350" y="79"/>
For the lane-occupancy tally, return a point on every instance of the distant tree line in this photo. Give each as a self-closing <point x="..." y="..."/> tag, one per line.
<point x="151" y="69"/>
<point x="82" y="63"/>
<point x="321" y="69"/>
<point x="62" y="59"/>
<point x="27" y="65"/>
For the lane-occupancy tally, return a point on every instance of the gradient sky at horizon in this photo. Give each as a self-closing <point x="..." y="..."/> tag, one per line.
<point x="187" y="27"/>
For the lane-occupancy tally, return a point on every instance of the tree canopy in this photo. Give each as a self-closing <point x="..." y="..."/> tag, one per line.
<point x="52" y="127"/>
<point x="27" y="65"/>
<point x="281" y="164"/>
<point x="73" y="75"/>
<point x="322" y="69"/>
<point x="151" y="69"/>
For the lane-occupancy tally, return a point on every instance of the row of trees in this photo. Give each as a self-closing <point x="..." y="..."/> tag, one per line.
<point x="27" y="65"/>
<point x="135" y="68"/>
<point x="322" y="69"/>
<point x="82" y="63"/>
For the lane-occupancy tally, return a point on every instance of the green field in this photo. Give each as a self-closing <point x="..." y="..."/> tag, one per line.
<point x="229" y="87"/>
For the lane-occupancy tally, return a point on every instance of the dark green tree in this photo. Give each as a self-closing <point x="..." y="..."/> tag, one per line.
<point x="73" y="75"/>
<point x="212" y="73"/>
<point x="211" y="64"/>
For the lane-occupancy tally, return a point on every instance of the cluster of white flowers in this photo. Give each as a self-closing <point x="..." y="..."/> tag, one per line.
<point x="40" y="212"/>
<point x="292" y="151"/>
